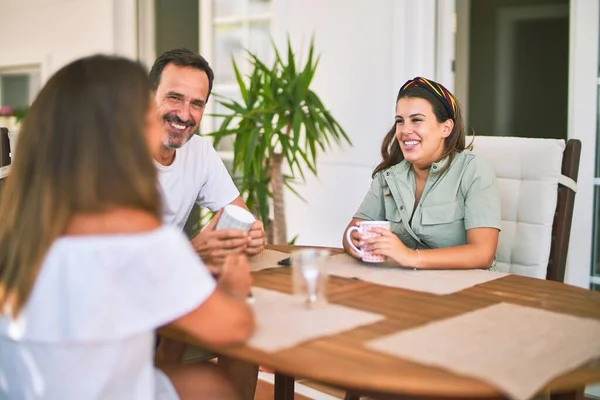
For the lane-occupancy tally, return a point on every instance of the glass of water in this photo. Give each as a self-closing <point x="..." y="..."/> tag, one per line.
<point x="309" y="275"/>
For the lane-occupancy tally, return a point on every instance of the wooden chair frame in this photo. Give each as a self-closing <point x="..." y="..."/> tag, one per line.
<point x="561" y="227"/>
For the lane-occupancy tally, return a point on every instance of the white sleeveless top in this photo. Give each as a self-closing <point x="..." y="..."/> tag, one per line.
<point x="86" y="331"/>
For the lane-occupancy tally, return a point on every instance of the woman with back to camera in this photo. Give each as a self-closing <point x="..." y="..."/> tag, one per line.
<point x="87" y="271"/>
<point x="441" y="199"/>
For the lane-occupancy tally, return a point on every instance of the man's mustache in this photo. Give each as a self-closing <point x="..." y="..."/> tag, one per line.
<point x="177" y="120"/>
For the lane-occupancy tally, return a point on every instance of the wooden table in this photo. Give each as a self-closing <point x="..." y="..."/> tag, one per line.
<point x="341" y="360"/>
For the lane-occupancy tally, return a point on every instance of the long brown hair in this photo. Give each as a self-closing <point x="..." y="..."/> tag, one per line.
<point x="82" y="149"/>
<point x="391" y="154"/>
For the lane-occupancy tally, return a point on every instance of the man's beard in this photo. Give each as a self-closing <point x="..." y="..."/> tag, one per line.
<point x="171" y="141"/>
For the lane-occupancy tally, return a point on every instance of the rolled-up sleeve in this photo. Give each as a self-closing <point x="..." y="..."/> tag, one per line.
<point x="372" y="207"/>
<point x="482" y="199"/>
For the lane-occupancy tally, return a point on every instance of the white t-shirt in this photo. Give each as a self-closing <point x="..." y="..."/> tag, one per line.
<point x="86" y="332"/>
<point x="197" y="175"/>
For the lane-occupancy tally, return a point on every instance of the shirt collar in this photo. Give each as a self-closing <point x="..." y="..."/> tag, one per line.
<point x="439" y="165"/>
<point x="404" y="166"/>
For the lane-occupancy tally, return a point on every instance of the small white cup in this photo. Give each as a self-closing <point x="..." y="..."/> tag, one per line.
<point x="235" y="217"/>
<point x="365" y="230"/>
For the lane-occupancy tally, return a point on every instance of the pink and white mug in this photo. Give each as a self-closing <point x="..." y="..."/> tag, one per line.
<point x="365" y="230"/>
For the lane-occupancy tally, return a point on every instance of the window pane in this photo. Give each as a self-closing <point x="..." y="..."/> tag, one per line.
<point x="15" y="90"/>
<point x="260" y="40"/>
<point x="597" y="126"/>
<point x="228" y="8"/>
<point x="226" y="143"/>
<point x="596" y="242"/>
<point x="228" y="43"/>
<point x="599" y="58"/>
<point x="259" y="6"/>
<point x="598" y="123"/>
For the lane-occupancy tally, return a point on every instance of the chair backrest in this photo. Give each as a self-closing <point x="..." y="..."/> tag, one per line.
<point x="4" y="147"/>
<point x="537" y="207"/>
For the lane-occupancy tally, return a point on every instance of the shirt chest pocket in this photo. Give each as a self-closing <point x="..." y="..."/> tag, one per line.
<point x="392" y="212"/>
<point x="440" y="214"/>
<point x="443" y="225"/>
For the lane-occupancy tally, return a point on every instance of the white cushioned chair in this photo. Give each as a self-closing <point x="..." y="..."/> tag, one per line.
<point x="537" y="179"/>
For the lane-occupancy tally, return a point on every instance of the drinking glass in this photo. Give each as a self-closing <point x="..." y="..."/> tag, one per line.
<point x="309" y="275"/>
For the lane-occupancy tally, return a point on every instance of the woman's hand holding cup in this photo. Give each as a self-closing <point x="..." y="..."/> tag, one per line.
<point x="357" y="235"/>
<point x="386" y="244"/>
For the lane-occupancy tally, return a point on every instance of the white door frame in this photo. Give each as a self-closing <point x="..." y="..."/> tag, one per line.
<point x="146" y="31"/>
<point x="445" y="43"/>
<point x="462" y="54"/>
<point x="582" y="117"/>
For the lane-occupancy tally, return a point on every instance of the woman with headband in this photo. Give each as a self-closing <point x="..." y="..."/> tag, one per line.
<point x="441" y="200"/>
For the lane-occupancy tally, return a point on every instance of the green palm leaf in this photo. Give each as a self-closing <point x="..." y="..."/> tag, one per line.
<point x="278" y="114"/>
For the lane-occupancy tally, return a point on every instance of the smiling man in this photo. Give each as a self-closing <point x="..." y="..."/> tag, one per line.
<point x="189" y="169"/>
<point x="191" y="172"/>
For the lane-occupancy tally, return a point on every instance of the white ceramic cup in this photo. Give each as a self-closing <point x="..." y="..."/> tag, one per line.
<point x="365" y="230"/>
<point x="235" y="217"/>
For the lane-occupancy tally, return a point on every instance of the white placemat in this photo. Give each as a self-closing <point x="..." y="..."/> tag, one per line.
<point x="439" y="282"/>
<point x="284" y="320"/>
<point x="514" y="348"/>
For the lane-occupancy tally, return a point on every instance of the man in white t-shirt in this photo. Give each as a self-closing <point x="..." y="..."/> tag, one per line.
<point x="191" y="172"/>
<point x="189" y="169"/>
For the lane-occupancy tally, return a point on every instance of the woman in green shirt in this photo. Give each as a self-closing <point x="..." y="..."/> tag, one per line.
<point x="442" y="200"/>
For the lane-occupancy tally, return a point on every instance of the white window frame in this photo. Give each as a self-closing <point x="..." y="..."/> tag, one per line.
<point x="207" y="27"/>
<point x="34" y="73"/>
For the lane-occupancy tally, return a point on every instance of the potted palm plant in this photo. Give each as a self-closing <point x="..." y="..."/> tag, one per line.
<point x="278" y="128"/>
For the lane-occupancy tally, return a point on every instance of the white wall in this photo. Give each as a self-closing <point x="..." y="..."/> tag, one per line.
<point x="367" y="53"/>
<point x="51" y="33"/>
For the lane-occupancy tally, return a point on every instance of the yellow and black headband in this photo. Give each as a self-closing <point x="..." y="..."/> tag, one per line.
<point x="434" y="88"/>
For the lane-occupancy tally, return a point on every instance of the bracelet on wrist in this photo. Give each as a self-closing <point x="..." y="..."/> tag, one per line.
<point x="418" y="259"/>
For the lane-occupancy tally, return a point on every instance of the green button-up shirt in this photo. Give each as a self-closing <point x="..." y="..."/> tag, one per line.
<point x="466" y="196"/>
